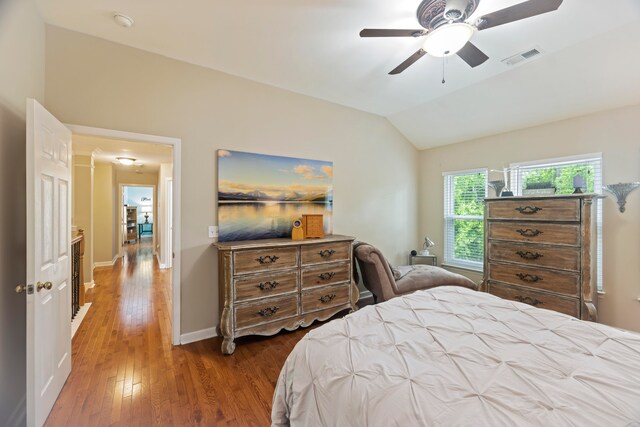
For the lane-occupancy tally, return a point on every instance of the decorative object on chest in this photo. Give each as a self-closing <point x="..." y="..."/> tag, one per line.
<point x="312" y="224"/>
<point x="541" y="251"/>
<point x="269" y="285"/>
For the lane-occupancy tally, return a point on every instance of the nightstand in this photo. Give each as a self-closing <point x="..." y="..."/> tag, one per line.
<point x="423" y="259"/>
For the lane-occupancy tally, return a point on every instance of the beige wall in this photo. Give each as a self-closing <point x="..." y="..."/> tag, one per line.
<point x="97" y="83"/>
<point x="613" y="133"/>
<point x="103" y="213"/>
<point x="22" y="47"/>
<point x="82" y="208"/>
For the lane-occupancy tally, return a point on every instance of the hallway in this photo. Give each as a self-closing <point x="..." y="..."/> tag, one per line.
<point x="126" y="372"/>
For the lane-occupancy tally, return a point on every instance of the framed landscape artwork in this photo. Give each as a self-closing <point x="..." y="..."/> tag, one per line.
<point x="259" y="196"/>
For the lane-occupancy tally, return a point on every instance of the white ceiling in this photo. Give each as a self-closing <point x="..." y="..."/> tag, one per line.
<point x="105" y="150"/>
<point x="312" y="47"/>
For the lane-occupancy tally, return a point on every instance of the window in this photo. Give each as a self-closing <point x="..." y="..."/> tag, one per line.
<point x="560" y="173"/>
<point x="464" y="194"/>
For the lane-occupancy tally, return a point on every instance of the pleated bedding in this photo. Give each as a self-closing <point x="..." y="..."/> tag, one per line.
<point x="451" y="356"/>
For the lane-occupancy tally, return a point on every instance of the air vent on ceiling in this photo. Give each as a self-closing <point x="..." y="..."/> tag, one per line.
<point x="522" y="56"/>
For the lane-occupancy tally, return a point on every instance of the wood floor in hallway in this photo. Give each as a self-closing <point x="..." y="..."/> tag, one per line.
<point x="126" y="372"/>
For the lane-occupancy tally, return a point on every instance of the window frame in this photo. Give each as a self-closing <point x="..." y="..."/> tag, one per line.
<point x="450" y="218"/>
<point x="517" y="184"/>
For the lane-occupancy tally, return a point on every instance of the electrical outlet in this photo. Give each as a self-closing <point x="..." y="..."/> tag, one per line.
<point x="213" y="231"/>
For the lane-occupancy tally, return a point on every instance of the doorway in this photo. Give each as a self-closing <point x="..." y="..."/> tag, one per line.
<point x="158" y="221"/>
<point x="137" y="207"/>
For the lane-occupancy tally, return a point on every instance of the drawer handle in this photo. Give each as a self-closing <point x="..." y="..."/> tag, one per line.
<point x="529" y="232"/>
<point x="267" y="286"/>
<point x="327" y="253"/>
<point x="269" y="259"/>
<point x="327" y="298"/>
<point x="327" y="276"/>
<point x="269" y="311"/>
<point x="528" y="210"/>
<point x="529" y="255"/>
<point x="528" y="300"/>
<point x="531" y="278"/>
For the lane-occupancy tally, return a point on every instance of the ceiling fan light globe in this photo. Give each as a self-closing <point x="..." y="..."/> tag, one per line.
<point x="448" y="39"/>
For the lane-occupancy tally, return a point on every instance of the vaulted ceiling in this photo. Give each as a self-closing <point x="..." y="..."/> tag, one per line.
<point x="589" y="58"/>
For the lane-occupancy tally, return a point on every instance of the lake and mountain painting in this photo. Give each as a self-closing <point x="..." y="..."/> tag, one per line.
<point x="259" y="196"/>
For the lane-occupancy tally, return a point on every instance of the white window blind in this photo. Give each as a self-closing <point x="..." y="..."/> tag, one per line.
<point x="464" y="194"/>
<point x="560" y="173"/>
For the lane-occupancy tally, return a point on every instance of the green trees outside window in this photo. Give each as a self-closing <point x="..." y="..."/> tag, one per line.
<point x="464" y="219"/>
<point x="561" y="177"/>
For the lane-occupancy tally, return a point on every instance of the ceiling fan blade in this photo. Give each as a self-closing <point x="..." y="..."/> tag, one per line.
<point x="517" y="12"/>
<point x="472" y="55"/>
<point x="368" y="32"/>
<point x="409" y="61"/>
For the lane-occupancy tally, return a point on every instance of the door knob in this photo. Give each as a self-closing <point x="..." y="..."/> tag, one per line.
<point x="45" y="285"/>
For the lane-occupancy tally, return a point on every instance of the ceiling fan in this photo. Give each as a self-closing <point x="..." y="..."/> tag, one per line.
<point x="448" y="33"/>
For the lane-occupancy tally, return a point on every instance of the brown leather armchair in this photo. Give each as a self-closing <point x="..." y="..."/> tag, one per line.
<point x="384" y="284"/>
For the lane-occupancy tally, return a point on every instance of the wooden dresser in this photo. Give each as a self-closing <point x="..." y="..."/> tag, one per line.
<point x="541" y="251"/>
<point x="269" y="285"/>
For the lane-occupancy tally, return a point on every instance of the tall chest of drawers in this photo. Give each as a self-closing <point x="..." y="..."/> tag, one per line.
<point x="541" y="251"/>
<point x="269" y="285"/>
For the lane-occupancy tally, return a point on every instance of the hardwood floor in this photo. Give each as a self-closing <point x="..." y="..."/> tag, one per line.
<point x="126" y="372"/>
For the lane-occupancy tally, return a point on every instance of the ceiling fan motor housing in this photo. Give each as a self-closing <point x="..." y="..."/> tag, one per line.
<point x="435" y="13"/>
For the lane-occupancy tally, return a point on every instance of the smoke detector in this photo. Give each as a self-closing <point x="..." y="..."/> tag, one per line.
<point x="123" y="20"/>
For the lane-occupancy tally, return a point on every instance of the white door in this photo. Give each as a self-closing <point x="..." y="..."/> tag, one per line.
<point x="169" y="220"/>
<point x="48" y="260"/>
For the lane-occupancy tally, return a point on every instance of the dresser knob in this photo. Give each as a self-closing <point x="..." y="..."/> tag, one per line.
<point x="531" y="278"/>
<point x="528" y="300"/>
<point x="327" y="253"/>
<point x="529" y="255"/>
<point x="269" y="259"/>
<point x="269" y="311"/>
<point x="529" y="232"/>
<point x="528" y="210"/>
<point x="327" y="298"/>
<point x="267" y="286"/>
<point x="327" y="276"/>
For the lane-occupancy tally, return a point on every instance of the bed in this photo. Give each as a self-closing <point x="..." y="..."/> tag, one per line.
<point x="452" y="356"/>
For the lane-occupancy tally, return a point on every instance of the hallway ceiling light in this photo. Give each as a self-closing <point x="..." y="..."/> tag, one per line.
<point x="126" y="161"/>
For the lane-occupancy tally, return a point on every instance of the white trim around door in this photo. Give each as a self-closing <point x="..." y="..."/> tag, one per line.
<point x="176" y="144"/>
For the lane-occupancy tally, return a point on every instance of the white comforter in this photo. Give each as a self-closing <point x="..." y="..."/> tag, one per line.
<point x="451" y="356"/>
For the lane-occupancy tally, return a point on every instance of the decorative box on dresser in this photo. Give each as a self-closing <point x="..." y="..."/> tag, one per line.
<point x="274" y="284"/>
<point x="541" y="251"/>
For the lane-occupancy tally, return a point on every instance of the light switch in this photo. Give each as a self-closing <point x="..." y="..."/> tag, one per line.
<point x="213" y="231"/>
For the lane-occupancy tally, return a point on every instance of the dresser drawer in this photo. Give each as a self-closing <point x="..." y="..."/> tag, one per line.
<point x="265" y="285"/>
<point x="537" y="232"/>
<point x="549" y="280"/>
<point x="250" y="261"/>
<point x="268" y="310"/>
<point x="534" y="210"/>
<point x="327" y="252"/>
<point x="563" y="258"/>
<point x="566" y="305"/>
<point x="325" y="297"/>
<point x="325" y="274"/>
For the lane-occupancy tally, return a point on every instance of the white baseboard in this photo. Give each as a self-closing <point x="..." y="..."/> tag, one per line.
<point x="203" y="334"/>
<point x="366" y="294"/>
<point x="105" y="263"/>
<point x="19" y="415"/>
<point x="75" y="323"/>
<point x="89" y="285"/>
